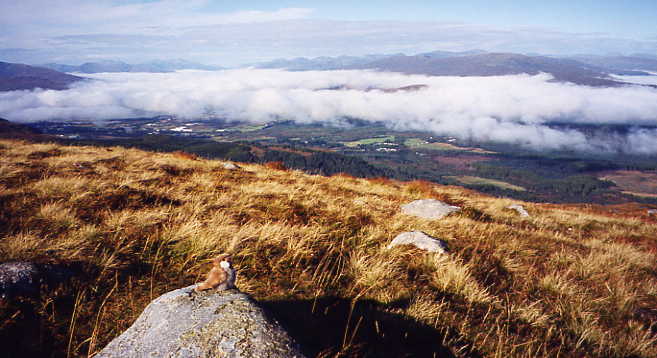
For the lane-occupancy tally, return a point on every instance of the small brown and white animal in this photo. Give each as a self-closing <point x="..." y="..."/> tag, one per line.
<point x="221" y="276"/>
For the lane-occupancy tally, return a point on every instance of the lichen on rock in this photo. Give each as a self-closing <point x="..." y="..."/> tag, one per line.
<point x="421" y="241"/>
<point x="431" y="209"/>
<point x="206" y="324"/>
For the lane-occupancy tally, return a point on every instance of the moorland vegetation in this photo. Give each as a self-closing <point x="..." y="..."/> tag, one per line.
<point x="570" y="280"/>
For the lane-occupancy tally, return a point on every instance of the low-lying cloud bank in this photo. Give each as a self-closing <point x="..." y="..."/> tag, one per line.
<point x="511" y="109"/>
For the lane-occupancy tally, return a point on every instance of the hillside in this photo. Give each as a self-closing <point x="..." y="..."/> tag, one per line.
<point x="11" y="130"/>
<point x="128" y="225"/>
<point x="15" y="76"/>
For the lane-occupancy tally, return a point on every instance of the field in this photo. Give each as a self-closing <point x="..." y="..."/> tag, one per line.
<point x="419" y="143"/>
<point x="640" y="195"/>
<point x="569" y="281"/>
<point x="247" y="128"/>
<point x="470" y="180"/>
<point x="367" y="141"/>
<point x="634" y="182"/>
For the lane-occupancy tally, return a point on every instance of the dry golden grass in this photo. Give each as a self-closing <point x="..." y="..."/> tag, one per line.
<point x="132" y="225"/>
<point x="275" y="165"/>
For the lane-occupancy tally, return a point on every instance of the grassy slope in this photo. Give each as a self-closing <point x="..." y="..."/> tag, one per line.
<point x="569" y="281"/>
<point x="467" y="179"/>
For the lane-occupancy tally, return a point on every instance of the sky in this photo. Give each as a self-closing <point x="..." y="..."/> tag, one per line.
<point x="241" y="32"/>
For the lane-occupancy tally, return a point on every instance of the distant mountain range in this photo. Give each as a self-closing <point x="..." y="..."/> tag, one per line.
<point x="494" y="64"/>
<point x="326" y="63"/>
<point x="320" y="63"/>
<point x="621" y="63"/>
<point x="15" y="76"/>
<point x="119" y="66"/>
<point x="581" y="69"/>
<point x="446" y="54"/>
<point x="585" y="70"/>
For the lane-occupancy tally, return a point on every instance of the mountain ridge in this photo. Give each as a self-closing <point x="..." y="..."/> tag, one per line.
<point x="16" y="76"/>
<point x="580" y="69"/>
<point x="156" y="66"/>
<point x="494" y="64"/>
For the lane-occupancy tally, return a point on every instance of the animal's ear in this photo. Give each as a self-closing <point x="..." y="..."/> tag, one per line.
<point x="216" y="261"/>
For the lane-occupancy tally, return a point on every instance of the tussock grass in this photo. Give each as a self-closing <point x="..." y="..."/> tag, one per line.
<point x="454" y="276"/>
<point x="566" y="281"/>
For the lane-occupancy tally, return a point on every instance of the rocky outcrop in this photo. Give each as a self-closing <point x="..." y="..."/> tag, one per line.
<point x="206" y="324"/>
<point x="519" y="209"/>
<point x="421" y="241"/>
<point x="431" y="209"/>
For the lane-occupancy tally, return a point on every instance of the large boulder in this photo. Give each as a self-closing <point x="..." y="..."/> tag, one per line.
<point x="429" y="209"/>
<point x="421" y="241"/>
<point x="206" y="324"/>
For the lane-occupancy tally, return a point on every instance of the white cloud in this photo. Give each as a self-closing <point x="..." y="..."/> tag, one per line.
<point x="644" y="80"/>
<point x="73" y="31"/>
<point x="163" y="13"/>
<point x="512" y="109"/>
<point x="79" y="27"/>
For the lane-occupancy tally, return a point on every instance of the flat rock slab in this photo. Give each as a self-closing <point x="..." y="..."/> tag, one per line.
<point x="519" y="209"/>
<point x="421" y="241"/>
<point x="207" y="324"/>
<point x="429" y="209"/>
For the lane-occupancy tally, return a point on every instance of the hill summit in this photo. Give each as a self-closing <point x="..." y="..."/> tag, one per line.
<point x="129" y="225"/>
<point x="16" y="76"/>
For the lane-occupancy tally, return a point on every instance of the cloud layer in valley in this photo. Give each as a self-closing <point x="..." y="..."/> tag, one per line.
<point x="511" y="109"/>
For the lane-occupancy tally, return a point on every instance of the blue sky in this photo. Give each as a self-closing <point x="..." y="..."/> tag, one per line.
<point x="626" y="18"/>
<point x="232" y="33"/>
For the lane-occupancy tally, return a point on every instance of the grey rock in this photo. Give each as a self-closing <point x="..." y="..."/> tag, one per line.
<point x="421" y="241"/>
<point x="429" y="209"/>
<point x="652" y="211"/>
<point x="19" y="279"/>
<point x="230" y="166"/>
<point x="206" y="324"/>
<point x="520" y="209"/>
